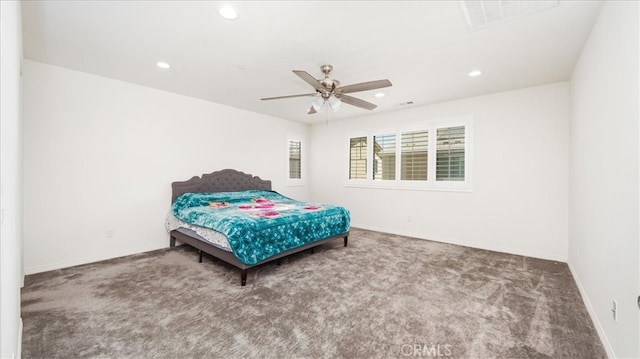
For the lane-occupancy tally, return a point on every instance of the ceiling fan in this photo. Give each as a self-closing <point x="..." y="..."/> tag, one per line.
<point x="328" y="90"/>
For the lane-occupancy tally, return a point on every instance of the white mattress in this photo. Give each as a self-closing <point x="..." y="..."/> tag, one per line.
<point x="214" y="237"/>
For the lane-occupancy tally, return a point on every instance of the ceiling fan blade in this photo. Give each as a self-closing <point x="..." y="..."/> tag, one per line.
<point x="311" y="111"/>
<point x="310" y="80"/>
<point x="364" y="86"/>
<point x="357" y="102"/>
<point x="289" y="96"/>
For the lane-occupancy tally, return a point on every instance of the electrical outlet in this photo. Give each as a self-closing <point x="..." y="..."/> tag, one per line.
<point x="108" y="233"/>
<point x="614" y="310"/>
<point x="409" y="218"/>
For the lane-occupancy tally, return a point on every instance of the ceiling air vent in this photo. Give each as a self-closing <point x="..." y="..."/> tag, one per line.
<point x="482" y="13"/>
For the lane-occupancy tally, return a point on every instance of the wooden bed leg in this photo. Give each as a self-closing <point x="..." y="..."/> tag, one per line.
<point x="172" y="241"/>
<point x="243" y="277"/>
<point x="313" y="250"/>
<point x="279" y="261"/>
<point x="346" y="238"/>
<point x="200" y="259"/>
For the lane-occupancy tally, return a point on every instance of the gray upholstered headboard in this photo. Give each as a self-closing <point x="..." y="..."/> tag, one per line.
<point x="220" y="181"/>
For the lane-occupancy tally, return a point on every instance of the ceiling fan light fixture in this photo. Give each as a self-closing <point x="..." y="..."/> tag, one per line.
<point x="317" y="103"/>
<point x="335" y="103"/>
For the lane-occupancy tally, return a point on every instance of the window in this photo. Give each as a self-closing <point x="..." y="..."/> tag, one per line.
<point x="415" y="155"/>
<point x="358" y="158"/>
<point x="450" y="154"/>
<point x="384" y="157"/>
<point x="431" y="155"/>
<point x="295" y="158"/>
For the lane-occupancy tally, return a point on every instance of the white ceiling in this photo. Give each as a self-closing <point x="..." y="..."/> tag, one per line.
<point x="423" y="47"/>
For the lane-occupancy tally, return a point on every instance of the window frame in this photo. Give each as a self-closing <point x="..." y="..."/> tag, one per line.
<point x="371" y="140"/>
<point x="431" y="183"/>
<point x="414" y="129"/>
<point x="368" y="166"/>
<point x="468" y="141"/>
<point x="288" y="180"/>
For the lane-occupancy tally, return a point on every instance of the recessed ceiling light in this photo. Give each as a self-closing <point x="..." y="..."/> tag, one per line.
<point x="228" y="12"/>
<point x="163" y="65"/>
<point x="379" y="94"/>
<point x="475" y="73"/>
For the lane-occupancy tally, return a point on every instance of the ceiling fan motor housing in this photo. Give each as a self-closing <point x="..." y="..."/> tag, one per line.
<point x="329" y="84"/>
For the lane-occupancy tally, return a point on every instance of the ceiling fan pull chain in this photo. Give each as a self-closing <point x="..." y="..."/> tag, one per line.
<point x="326" y="111"/>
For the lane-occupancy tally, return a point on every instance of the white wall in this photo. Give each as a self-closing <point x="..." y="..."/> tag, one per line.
<point x="101" y="154"/>
<point x="604" y="177"/>
<point x="10" y="184"/>
<point x="520" y="164"/>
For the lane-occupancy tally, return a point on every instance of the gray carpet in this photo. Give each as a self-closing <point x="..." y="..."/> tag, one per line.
<point x="383" y="296"/>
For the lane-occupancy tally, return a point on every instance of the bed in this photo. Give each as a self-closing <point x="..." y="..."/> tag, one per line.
<point x="209" y="214"/>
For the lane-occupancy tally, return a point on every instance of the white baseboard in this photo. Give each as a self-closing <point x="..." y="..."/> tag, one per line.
<point x="592" y="313"/>
<point x="19" y="353"/>
<point x="86" y="260"/>
<point x="477" y="245"/>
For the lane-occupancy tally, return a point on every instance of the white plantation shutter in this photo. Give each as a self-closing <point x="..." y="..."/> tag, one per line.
<point x="384" y="157"/>
<point x="430" y="155"/>
<point x="295" y="160"/>
<point x="414" y="156"/>
<point x="358" y="158"/>
<point x="450" y="153"/>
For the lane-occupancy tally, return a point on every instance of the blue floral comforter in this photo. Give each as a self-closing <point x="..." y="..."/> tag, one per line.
<point x="260" y="224"/>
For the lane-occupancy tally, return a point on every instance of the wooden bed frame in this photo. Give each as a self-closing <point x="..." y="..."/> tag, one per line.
<point x="229" y="180"/>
